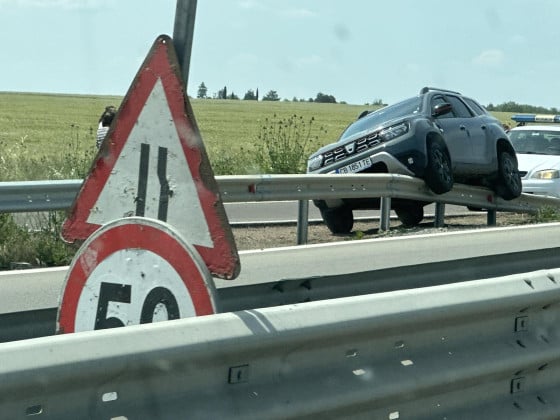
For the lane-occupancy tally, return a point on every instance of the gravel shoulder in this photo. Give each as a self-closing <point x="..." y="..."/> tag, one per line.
<point x="272" y="236"/>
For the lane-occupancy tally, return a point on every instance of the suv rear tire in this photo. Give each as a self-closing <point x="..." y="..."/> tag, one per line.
<point x="439" y="175"/>
<point x="338" y="220"/>
<point x="509" y="182"/>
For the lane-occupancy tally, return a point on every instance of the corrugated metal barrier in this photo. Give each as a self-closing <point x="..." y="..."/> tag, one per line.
<point x="484" y="349"/>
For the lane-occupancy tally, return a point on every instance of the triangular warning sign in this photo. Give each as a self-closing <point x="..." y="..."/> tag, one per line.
<point x="153" y="164"/>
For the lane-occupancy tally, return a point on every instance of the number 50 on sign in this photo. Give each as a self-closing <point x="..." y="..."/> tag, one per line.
<point x="134" y="271"/>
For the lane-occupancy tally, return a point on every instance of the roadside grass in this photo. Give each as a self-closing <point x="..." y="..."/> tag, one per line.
<point x="45" y="136"/>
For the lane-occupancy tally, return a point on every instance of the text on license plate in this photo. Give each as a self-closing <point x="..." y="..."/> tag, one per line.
<point x="358" y="166"/>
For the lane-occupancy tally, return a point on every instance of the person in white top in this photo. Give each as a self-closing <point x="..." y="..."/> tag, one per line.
<point x="104" y="123"/>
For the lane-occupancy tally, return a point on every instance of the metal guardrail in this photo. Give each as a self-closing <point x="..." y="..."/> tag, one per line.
<point x="29" y="196"/>
<point x="485" y="349"/>
<point x="281" y="276"/>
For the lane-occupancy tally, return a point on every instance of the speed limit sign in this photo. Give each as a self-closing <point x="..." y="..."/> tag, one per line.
<point x="134" y="271"/>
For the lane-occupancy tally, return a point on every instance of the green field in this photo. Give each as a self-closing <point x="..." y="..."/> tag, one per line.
<point x="48" y="136"/>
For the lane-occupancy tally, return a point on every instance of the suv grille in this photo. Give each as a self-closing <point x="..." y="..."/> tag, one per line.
<point x="349" y="149"/>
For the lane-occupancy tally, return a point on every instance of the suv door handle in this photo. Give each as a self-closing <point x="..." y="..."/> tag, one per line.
<point x="483" y="127"/>
<point x="462" y="127"/>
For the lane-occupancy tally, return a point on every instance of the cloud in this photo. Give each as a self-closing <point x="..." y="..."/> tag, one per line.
<point x="297" y="13"/>
<point x="308" y="61"/>
<point x="59" y="4"/>
<point x="519" y="40"/>
<point x="251" y="4"/>
<point x="489" y="58"/>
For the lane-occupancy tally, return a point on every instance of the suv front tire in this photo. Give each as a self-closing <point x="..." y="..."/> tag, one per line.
<point x="339" y="220"/>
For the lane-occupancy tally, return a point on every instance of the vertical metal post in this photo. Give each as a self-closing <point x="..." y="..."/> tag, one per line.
<point x="491" y="218"/>
<point x="385" y="219"/>
<point x="183" y="35"/>
<point x="439" y="219"/>
<point x="302" y="221"/>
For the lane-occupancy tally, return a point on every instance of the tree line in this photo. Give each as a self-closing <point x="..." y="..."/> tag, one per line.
<point x="521" y="108"/>
<point x="272" y="95"/>
<point x="253" y="95"/>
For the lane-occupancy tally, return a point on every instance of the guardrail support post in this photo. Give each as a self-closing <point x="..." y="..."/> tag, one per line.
<point x="440" y="215"/>
<point x="491" y="218"/>
<point x="385" y="217"/>
<point x="302" y="222"/>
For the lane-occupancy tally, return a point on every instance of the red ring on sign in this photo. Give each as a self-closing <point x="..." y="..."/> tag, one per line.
<point x="134" y="233"/>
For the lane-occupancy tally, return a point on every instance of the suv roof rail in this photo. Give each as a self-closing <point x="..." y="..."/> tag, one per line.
<point x="426" y="89"/>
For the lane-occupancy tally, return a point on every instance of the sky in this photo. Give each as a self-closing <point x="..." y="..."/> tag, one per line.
<point x="359" y="51"/>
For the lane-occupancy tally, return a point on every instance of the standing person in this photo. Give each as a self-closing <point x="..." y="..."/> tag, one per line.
<point x="104" y="123"/>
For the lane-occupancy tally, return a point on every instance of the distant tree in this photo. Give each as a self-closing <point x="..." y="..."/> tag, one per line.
<point x="233" y="96"/>
<point x="321" y="97"/>
<point x="377" y="102"/>
<point x="272" y="95"/>
<point x="222" y="93"/>
<point x="250" y="95"/>
<point x="257" y="95"/>
<point x="202" y="91"/>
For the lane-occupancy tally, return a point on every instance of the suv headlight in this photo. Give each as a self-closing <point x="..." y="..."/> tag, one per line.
<point x="546" y="174"/>
<point x="314" y="163"/>
<point x="394" y="131"/>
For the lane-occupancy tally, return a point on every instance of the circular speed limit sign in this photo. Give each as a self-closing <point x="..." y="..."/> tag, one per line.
<point x="134" y="271"/>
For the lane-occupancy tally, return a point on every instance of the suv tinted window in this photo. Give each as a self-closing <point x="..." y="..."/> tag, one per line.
<point x="459" y="108"/>
<point x="479" y="110"/>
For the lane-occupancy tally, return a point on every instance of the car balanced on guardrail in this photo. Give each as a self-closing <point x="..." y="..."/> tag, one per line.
<point x="439" y="135"/>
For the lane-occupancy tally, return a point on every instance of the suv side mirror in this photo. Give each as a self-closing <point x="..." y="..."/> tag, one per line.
<point x="441" y="109"/>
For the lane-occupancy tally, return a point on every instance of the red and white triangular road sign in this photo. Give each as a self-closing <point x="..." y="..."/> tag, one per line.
<point x="153" y="164"/>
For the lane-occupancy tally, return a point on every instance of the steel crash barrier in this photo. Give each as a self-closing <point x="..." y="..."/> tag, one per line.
<point x="486" y="349"/>
<point x="282" y="276"/>
<point x="30" y="196"/>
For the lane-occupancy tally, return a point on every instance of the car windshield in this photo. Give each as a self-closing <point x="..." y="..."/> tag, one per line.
<point x="538" y="142"/>
<point x="391" y="112"/>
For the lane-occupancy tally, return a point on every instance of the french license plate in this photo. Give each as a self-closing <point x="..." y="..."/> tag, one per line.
<point x="358" y="166"/>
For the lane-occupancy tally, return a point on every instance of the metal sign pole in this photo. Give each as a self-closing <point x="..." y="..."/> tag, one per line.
<point x="183" y="35"/>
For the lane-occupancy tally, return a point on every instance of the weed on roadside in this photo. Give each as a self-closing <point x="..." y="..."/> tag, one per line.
<point x="282" y="144"/>
<point x="546" y="214"/>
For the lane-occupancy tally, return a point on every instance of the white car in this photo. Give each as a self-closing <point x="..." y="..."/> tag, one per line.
<point x="538" y="153"/>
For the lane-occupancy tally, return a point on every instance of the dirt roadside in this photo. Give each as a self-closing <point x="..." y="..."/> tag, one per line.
<point x="260" y="237"/>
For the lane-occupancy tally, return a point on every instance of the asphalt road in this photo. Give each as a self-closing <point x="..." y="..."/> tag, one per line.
<point x="276" y="211"/>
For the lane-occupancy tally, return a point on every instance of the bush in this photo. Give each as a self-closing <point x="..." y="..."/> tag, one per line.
<point x="282" y="144"/>
<point x="18" y="162"/>
<point x="38" y="247"/>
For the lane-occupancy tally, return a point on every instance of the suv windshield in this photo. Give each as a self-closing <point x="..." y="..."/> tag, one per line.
<point x="400" y="109"/>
